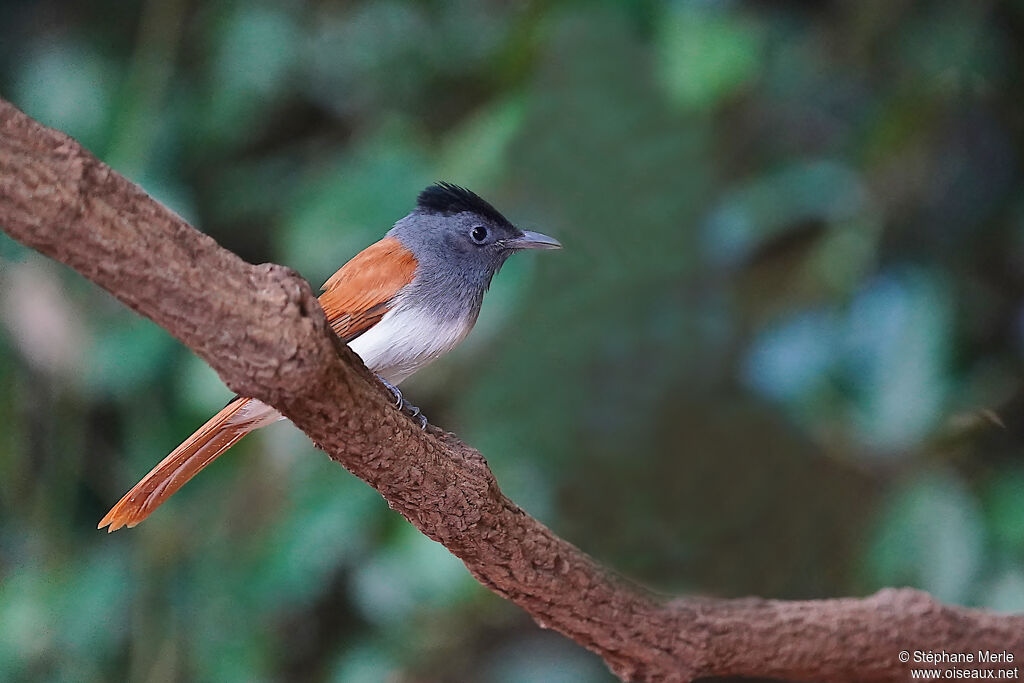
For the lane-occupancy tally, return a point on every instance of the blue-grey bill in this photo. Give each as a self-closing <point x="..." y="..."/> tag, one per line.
<point x="535" y="240"/>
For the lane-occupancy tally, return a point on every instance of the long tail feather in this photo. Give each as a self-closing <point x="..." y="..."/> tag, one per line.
<point x="220" y="433"/>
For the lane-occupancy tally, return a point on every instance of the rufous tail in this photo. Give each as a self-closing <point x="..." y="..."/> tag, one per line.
<point x="220" y="433"/>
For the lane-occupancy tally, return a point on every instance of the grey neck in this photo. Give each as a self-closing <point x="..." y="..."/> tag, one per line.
<point x="448" y="283"/>
<point x="448" y="293"/>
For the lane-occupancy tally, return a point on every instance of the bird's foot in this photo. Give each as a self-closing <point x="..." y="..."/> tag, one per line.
<point x="404" y="405"/>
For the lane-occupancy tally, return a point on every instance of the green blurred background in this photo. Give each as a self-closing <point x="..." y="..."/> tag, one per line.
<point x="780" y="355"/>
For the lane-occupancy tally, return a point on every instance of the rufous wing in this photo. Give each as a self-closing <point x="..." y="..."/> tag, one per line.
<point x="357" y="296"/>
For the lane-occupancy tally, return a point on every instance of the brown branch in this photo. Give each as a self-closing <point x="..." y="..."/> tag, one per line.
<point x="262" y="330"/>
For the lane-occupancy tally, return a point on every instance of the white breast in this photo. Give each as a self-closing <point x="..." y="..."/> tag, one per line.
<point x="406" y="339"/>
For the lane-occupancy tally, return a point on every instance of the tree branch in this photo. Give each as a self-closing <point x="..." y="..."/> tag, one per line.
<point x="262" y="330"/>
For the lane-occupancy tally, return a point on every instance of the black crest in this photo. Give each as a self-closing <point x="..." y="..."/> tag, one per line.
<point x="447" y="200"/>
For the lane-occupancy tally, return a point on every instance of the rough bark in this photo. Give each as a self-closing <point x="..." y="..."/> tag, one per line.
<point x="262" y="330"/>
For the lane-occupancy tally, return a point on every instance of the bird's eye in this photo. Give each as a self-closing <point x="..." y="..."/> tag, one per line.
<point x="479" y="234"/>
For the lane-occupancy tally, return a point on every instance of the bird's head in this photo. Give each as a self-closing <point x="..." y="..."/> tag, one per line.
<point x="455" y="229"/>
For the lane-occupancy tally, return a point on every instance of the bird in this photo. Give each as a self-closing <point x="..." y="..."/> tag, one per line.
<point x="400" y="304"/>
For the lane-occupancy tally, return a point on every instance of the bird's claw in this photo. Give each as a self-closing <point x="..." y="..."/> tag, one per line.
<point x="402" y="404"/>
<point x="415" y="413"/>
<point x="395" y="393"/>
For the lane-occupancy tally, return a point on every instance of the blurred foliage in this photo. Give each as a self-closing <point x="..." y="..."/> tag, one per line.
<point x="780" y="355"/>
